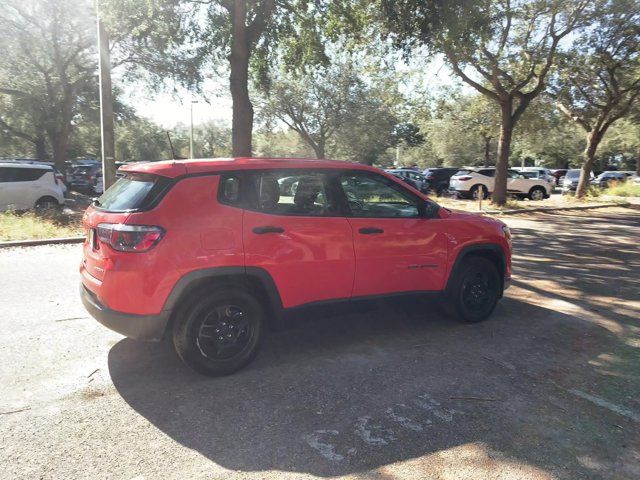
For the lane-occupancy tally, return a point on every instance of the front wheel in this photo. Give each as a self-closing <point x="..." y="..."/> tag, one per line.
<point x="474" y="291"/>
<point x="220" y="333"/>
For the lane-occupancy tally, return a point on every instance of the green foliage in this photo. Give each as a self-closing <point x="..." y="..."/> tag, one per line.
<point x="47" y="73"/>
<point x="627" y="189"/>
<point x="335" y="110"/>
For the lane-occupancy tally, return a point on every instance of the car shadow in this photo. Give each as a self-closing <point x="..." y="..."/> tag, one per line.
<point x="350" y="392"/>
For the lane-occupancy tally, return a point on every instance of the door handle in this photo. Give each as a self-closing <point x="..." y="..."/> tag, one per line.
<point x="261" y="230"/>
<point x="370" y="230"/>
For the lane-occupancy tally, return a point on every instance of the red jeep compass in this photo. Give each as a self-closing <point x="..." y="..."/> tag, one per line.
<point x="210" y="252"/>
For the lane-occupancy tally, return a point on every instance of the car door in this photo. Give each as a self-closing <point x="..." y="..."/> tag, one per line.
<point x="294" y="230"/>
<point x="517" y="183"/>
<point x="397" y="248"/>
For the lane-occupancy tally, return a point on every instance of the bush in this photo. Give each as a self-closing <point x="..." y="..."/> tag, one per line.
<point x="627" y="189"/>
<point x="29" y="226"/>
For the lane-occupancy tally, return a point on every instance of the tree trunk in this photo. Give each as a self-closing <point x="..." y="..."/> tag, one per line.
<point x="318" y="148"/>
<point x="499" y="196"/>
<point x="41" y="148"/>
<point x="593" y="140"/>
<point x="487" y="151"/>
<point x="242" y="121"/>
<point x="60" y="144"/>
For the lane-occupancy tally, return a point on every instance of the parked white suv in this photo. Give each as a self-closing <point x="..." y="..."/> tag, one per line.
<point x="24" y="186"/>
<point x="537" y="172"/>
<point x="466" y="183"/>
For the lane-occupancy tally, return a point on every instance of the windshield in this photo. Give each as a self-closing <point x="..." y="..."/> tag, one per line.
<point x="573" y="174"/>
<point x="128" y="193"/>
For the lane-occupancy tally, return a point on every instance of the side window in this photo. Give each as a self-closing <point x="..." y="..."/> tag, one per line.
<point x="488" y="173"/>
<point x="371" y="195"/>
<point x="514" y="174"/>
<point x="4" y="174"/>
<point x="17" y="174"/>
<point x="282" y="192"/>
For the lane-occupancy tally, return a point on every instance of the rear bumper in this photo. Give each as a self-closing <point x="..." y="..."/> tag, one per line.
<point x="138" y="327"/>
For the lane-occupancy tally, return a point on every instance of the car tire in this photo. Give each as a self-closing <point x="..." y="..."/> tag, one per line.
<point x="219" y="333"/>
<point x="537" y="194"/>
<point x="474" y="291"/>
<point x="46" y="204"/>
<point x="475" y="192"/>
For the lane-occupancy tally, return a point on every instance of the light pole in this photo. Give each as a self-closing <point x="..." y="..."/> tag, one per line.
<point x="191" y="134"/>
<point x="106" y="105"/>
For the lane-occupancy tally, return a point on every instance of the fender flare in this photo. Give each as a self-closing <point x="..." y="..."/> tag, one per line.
<point x="242" y="274"/>
<point x="478" y="248"/>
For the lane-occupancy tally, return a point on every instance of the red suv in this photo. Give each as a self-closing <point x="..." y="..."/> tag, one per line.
<point x="210" y="252"/>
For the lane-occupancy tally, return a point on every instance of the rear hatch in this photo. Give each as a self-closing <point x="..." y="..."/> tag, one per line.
<point x="133" y="192"/>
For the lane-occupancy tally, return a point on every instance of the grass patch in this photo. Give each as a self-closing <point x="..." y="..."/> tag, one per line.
<point x="29" y="226"/>
<point x="627" y="189"/>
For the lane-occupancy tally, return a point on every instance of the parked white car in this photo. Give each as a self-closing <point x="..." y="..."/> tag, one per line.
<point x="24" y="186"/>
<point x="466" y="183"/>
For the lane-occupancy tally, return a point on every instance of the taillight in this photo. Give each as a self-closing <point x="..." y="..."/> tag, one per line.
<point x="464" y="178"/>
<point x="129" y="238"/>
<point x="90" y="178"/>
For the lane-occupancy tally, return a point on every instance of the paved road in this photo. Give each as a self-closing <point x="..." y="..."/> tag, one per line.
<point x="548" y="388"/>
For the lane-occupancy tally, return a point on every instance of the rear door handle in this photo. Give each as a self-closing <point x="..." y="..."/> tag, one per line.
<point x="370" y="230"/>
<point x="261" y="230"/>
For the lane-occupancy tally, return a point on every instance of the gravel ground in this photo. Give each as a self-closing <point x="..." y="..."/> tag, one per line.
<point x="549" y="387"/>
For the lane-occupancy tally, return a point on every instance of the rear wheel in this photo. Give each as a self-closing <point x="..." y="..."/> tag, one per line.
<point x="46" y="204"/>
<point x="220" y="333"/>
<point x="537" y="193"/>
<point x="474" y="291"/>
<point x="475" y="192"/>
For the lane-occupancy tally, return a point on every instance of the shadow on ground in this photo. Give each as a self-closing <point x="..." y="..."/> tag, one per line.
<point x="348" y="393"/>
<point x="353" y="393"/>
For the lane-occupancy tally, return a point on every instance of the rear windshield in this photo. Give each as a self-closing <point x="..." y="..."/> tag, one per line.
<point x="131" y="192"/>
<point x="462" y="172"/>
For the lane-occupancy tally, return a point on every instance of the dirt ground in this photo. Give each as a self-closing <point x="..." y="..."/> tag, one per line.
<point x="549" y="387"/>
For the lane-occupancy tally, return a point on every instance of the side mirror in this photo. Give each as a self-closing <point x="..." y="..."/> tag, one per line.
<point x="430" y="210"/>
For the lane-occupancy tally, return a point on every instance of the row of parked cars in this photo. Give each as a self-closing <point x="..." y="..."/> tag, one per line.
<point x="535" y="183"/>
<point x="27" y="184"/>
<point x="529" y="182"/>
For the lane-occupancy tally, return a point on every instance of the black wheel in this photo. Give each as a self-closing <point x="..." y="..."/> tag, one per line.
<point x="220" y="332"/>
<point x="537" y="193"/>
<point x="475" y="192"/>
<point x="475" y="290"/>
<point x="46" y="204"/>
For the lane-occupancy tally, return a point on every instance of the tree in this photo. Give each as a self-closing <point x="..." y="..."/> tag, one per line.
<point x="598" y="82"/>
<point x="473" y="114"/>
<point x="47" y="71"/>
<point x="335" y="108"/>
<point x="503" y="49"/>
<point x="186" y="39"/>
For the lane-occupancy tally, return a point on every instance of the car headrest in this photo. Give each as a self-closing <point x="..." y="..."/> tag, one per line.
<point x="307" y="191"/>
<point x="269" y="194"/>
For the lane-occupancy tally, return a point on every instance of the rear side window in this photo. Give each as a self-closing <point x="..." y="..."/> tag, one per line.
<point x="290" y="192"/>
<point x="133" y="192"/>
<point x="487" y="173"/>
<point x="17" y="174"/>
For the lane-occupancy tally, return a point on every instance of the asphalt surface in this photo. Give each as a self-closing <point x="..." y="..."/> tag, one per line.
<point x="549" y="387"/>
